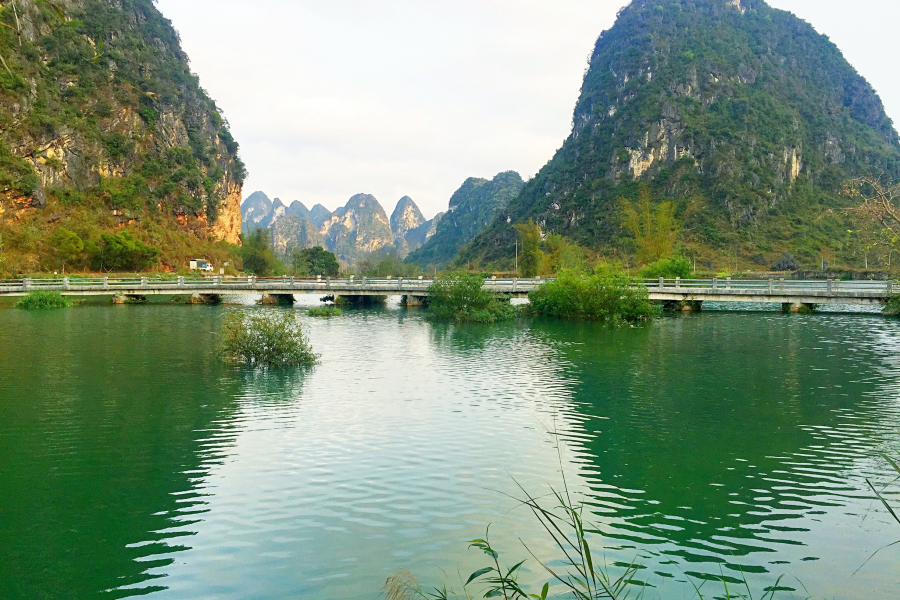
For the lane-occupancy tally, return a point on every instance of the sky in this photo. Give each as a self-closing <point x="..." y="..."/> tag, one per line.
<point x="330" y="98"/>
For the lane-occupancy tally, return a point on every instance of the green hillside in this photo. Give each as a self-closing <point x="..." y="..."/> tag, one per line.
<point x="104" y="130"/>
<point x="472" y="208"/>
<point x="742" y="114"/>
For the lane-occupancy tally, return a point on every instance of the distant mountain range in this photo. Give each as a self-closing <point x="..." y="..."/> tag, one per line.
<point x="362" y="226"/>
<point x="358" y="228"/>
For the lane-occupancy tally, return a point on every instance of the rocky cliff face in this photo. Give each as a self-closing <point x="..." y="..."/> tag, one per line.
<point x="405" y="222"/>
<point x="359" y="227"/>
<point x="292" y="233"/>
<point x="318" y="214"/>
<point x="298" y="209"/>
<point x="472" y="209"/>
<point x="100" y="116"/>
<point x="256" y="212"/>
<point x="742" y="114"/>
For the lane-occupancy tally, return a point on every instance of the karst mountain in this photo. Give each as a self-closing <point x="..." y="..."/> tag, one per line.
<point x="741" y="113"/>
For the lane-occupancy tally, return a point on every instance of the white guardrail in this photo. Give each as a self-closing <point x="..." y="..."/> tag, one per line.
<point x="222" y="285"/>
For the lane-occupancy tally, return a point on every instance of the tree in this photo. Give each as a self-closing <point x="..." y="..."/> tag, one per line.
<point x="67" y="245"/>
<point x="561" y="255"/>
<point x="315" y="261"/>
<point x="257" y="255"/>
<point x="121" y="252"/>
<point x="655" y="229"/>
<point x="529" y="248"/>
<point x="879" y="201"/>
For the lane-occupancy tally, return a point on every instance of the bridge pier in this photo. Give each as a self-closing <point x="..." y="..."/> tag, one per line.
<point x="277" y="300"/>
<point x="358" y="301"/>
<point x="798" y="308"/>
<point x="685" y="306"/>
<point x="129" y="299"/>
<point x="212" y="299"/>
<point x="410" y="300"/>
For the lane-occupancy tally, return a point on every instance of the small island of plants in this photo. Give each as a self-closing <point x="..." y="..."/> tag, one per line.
<point x="607" y="294"/>
<point x="324" y="311"/>
<point x="43" y="301"/>
<point x="461" y="297"/>
<point x="265" y="338"/>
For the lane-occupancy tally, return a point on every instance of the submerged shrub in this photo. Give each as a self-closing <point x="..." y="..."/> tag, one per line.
<point x="608" y="294"/>
<point x="43" y="301"/>
<point x="265" y="338"/>
<point x="324" y="311"/>
<point x="461" y="297"/>
<point x="892" y="306"/>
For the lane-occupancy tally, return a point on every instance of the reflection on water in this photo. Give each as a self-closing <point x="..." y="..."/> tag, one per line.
<point x="132" y="461"/>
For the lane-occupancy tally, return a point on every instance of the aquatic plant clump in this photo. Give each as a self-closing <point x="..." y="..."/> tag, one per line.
<point x="461" y="297"/>
<point x="608" y="294"/>
<point x="43" y="301"/>
<point x="324" y="311"/>
<point x="892" y="306"/>
<point x="266" y="339"/>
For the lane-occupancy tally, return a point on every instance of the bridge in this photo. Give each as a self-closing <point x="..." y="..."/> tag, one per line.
<point x="686" y="294"/>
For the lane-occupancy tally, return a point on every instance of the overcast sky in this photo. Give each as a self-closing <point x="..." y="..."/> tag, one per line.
<point x="329" y="98"/>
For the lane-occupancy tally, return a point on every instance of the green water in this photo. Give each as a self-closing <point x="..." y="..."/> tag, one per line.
<point x="133" y="462"/>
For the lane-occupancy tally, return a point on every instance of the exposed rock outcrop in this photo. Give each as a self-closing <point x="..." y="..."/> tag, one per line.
<point x="359" y="227"/>
<point x="291" y="233"/>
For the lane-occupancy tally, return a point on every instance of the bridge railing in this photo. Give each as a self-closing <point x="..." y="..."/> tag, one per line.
<point x="222" y="284"/>
<point x="774" y="285"/>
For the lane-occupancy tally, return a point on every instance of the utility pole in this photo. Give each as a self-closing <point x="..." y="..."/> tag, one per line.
<point x="517" y="258"/>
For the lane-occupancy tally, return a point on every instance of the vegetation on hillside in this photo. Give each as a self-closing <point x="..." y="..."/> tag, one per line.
<point x="461" y="297"/>
<point x="747" y="121"/>
<point x="104" y="127"/>
<point x="257" y="255"/>
<point x="265" y="338"/>
<point x="472" y="208"/>
<point x="608" y="294"/>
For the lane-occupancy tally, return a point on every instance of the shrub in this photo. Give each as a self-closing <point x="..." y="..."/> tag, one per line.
<point x="892" y="306"/>
<point x="608" y="294"/>
<point x="461" y="297"/>
<point x="324" y="311"/>
<point x="121" y="252"/>
<point x="670" y="268"/>
<point x="43" y="301"/>
<point x="266" y="339"/>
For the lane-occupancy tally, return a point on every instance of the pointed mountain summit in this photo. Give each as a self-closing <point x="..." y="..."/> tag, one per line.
<point x="297" y="209"/>
<point x="742" y="114"/>
<point x="472" y="209"/>
<point x="255" y="212"/>
<point x="359" y="227"/>
<point x="318" y="214"/>
<point x="406" y="216"/>
<point x="406" y="221"/>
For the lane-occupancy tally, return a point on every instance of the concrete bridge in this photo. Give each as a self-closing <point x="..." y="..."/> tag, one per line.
<point x="687" y="294"/>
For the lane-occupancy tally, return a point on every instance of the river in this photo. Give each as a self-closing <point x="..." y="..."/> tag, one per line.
<point x="736" y="445"/>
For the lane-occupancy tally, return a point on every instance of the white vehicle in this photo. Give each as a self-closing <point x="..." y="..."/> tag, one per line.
<point x="199" y="264"/>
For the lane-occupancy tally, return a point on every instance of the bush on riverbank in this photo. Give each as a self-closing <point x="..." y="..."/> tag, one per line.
<point x="266" y="338"/>
<point x="324" y="311"/>
<point x="892" y="306"/>
<point x="461" y="297"/>
<point x="43" y="301"/>
<point x="670" y="268"/>
<point x="608" y="294"/>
